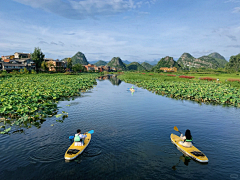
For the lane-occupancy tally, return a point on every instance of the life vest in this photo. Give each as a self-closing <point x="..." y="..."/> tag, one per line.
<point x="77" y="138"/>
<point x="188" y="140"/>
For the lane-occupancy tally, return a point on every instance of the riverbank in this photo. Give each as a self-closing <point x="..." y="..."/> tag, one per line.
<point x="194" y="88"/>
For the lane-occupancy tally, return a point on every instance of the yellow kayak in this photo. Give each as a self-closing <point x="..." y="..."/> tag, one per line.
<point x="192" y="152"/>
<point x="132" y="90"/>
<point x="76" y="149"/>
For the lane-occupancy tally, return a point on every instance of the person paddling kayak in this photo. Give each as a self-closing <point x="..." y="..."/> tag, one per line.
<point x="187" y="139"/>
<point x="79" y="138"/>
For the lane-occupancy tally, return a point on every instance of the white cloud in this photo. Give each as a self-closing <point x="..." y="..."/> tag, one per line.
<point x="236" y="10"/>
<point x="80" y="9"/>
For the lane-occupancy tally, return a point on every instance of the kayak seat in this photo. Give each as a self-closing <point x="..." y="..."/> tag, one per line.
<point x="197" y="153"/>
<point x="72" y="151"/>
<point x="78" y="143"/>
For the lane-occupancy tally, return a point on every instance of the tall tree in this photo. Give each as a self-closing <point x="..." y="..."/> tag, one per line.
<point x="234" y="63"/>
<point x="38" y="57"/>
<point x="69" y="63"/>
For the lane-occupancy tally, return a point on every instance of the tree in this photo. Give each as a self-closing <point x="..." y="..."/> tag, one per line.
<point x="69" y="63"/>
<point x="234" y="63"/>
<point x="38" y="57"/>
<point x="78" y="68"/>
<point x="44" y="66"/>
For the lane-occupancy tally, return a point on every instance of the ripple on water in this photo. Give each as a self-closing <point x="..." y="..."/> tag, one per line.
<point x="93" y="151"/>
<point x="47" y="153"/>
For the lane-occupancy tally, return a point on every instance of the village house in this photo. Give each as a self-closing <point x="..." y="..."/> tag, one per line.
<point x="9" y="57"/>
<point x="106" y="68"/>
<point x="100" y="68"/>
<point x="47" y="59"/>
<point x="17" y="65"/>
<point x="18" y="55"/>
<point x="55" y="65"/>
<point x="20" y="61"/>
<point x="13" y="62"/>
<point x="166" y="69"/>
<point x="113" y="69"/>
<point x="90" y="67"/>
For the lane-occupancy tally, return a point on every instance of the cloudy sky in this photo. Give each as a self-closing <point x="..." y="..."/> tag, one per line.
<point x="134" y="30"/>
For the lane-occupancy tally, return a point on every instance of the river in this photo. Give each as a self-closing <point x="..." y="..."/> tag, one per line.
<point x="131" y="139"/>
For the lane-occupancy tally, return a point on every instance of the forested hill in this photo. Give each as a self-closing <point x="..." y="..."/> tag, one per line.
<point x="166" y="62"/>
<point x="79" y="58"/>
<point x="100" y="63"/>
<point x="213" y="60"/>
<point x="117" y="63"/>
<point x="219" y="58"/>
<point x="135" y="66"/>
<point x="147" y="66"/>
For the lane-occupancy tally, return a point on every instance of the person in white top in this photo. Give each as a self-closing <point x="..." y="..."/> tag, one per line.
<point x="79" y="138"/>
<point x="187" y="139"/>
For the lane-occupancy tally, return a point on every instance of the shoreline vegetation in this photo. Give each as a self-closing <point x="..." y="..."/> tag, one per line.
<point x="196" y="88"/>
<point x="28" y="99"/>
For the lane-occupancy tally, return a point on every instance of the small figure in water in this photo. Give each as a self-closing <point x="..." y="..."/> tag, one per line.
<point x="79" y="138"/>
<point x="187" y="139"/>
<point x="132" y="89"/>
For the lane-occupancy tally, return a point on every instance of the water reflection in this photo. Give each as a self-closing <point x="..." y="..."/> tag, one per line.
<point x="184" y="159"/>
<point x="112" y="78"/>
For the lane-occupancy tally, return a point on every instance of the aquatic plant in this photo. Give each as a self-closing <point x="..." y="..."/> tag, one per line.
<point x="196" y="90"/>
<point x="27" y="100"/>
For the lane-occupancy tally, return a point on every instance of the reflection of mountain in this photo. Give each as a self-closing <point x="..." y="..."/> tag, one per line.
<point x="112" y="78"/>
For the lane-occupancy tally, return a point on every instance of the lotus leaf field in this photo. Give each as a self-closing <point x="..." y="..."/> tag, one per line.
<point x="186" y="88"/>
<point x="27" y="100"/>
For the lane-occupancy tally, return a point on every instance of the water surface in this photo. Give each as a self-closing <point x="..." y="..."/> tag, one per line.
<point x="131" y="139"/>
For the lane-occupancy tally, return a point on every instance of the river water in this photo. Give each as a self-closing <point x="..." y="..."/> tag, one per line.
<point x="131" y="139"/>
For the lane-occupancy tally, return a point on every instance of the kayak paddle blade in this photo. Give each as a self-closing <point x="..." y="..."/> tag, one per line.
<point x="91" y="132"/>
<point x="176" y="129"/>
<point x="71" y="137"/>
